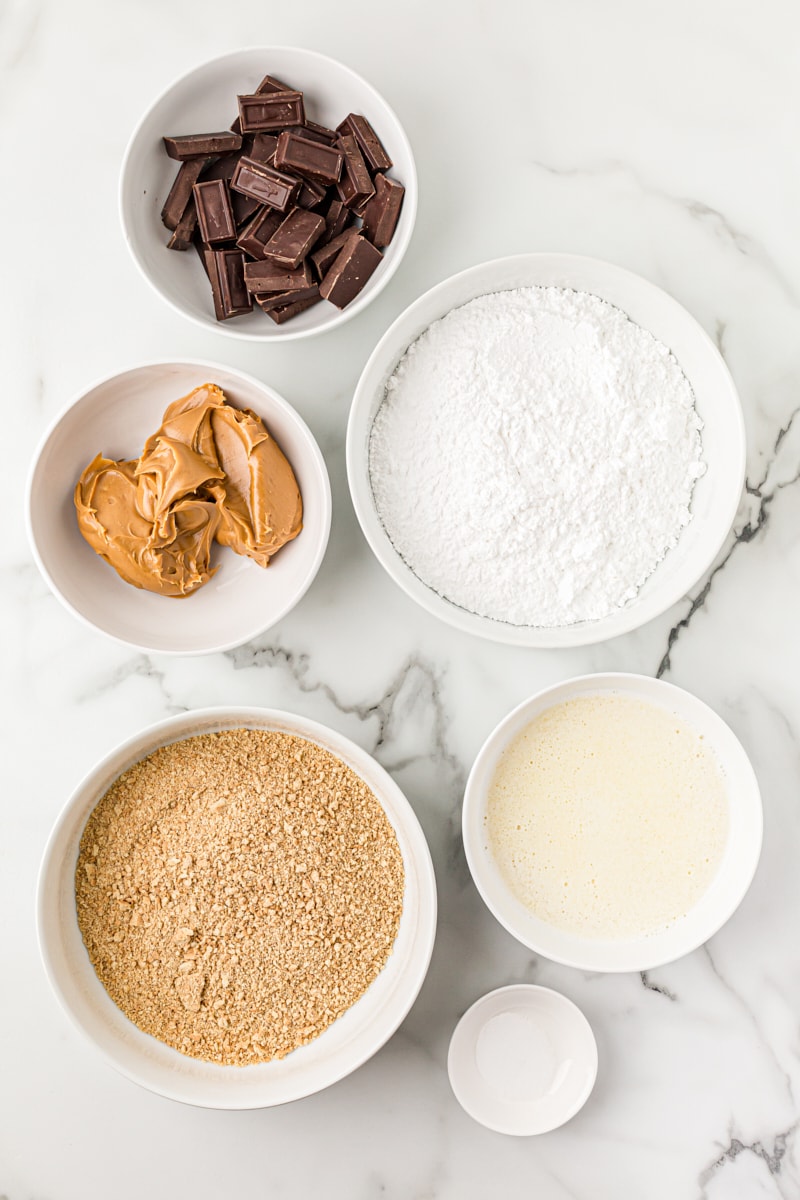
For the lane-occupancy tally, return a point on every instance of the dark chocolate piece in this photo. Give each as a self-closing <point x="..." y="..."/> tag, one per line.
<point x="286" y="311"/>
<point x="270" y="84"/>
<point x="351" y="270"/>
<point x="272" y="110"/>
<point x="369" y="143"/>
<point x="270" y="300"/>
<point x="214" y="212"/>
<point x="324" y="257"/>
<point x="181" y="191"/>
<point x="322" y="163"/>
<point x="382" y="211"/>
<point x="317" y="133"/>
<point x="257" y="233"/>
<point x="236" y="126"/>
<point x="264" y="147"/>
<point x="311" y="194"/>
<point x="244" y="208"/>
<point x="294" y="237"/>
<point x="265" y="184"/>
<point x="201" y="145"/>
<point x="184" y="231"/>
<point x="221" y="168"/>
<point x="226" y="275"/>
<point x="355" y="184"/>
<point x="336" y="218"/>
<point x="269" y="277"/>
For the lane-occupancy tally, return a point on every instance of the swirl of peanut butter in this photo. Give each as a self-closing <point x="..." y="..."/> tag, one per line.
<point x="210" y="472"/>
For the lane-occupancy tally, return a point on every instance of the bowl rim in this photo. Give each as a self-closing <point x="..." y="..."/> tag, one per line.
<point x="316" y="457"/>
<point x="157" y="735"/>
<point x="523" y="990"/>
<point x="627" y="683"/>
<point x="583" y="633"/>
<point x="278" y="334"/>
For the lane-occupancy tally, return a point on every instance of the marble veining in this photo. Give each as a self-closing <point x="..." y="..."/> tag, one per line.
<point x="664" y="144"/>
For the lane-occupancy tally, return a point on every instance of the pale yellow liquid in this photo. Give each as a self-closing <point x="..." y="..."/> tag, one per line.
<point x="608" y="817"/>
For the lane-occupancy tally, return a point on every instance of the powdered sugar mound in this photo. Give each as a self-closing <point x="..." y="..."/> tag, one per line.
<point x="534" y="456"/>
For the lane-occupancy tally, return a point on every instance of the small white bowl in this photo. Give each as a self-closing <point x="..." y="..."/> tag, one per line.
<point x="345" y="1045"/>
<point x="204" y="100"/>
<point x="115" y="417"/>
<point x="522" y="1060"/>
<point x="715" y="906"/>
<point x="716" y="495"/>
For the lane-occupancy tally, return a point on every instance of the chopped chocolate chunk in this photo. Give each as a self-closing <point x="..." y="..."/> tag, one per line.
<point x="269" y="277"/>
<point x="270" y="300"/>
<point x="382" y="211"/>
<point x="243" y="208"/>
<point x="184" y="231"/>
<point x="181" y="191"/>
<point x="294" y="237"/>
<point x="265" y="184"/>
<point x="271" y="110"/>
<point x="317" y="133"/>
<point x="201" y="145"/>
<point x="257" y="233"/>
<point x="286" y="311"/>
<point x="214" y="212"/>
<point x="226" y="273"/>
<point x="369" y="143"/>
<point x="352" y="268"/>
<point x="221" y="168"/>
<point x="322" y="163"/>
<point x="336" y="219"/>
<point x="355" y="184"/>
<point x="311" y="194"/>
<point x="264" y="147"/>
<point x="270" y="84"/>
<point x="324" y="257"/>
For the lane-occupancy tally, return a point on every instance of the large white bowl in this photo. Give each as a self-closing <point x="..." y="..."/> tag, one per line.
<point x="715" y="906"/>
<point x="204" y="100"/>
<point x="114" y="417"/>
<point x="345" y="1045"/>
<point x="716" y="495"/>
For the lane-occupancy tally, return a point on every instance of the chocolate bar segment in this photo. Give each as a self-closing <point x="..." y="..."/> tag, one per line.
<point x="355" y="185"/>
<point x="271" y="110"/>
<point x="311" y="194"/>
<point x="294" y="237"/>
<point x="255" y="235"/>
<point x="287" y="311"/>
<point x="244" y="208"/>
<point x="201" y="145"/>
<point x="214" y="212"/>
<point x="270" y="300"/>
<point x="352" y="268"/>
<point x="181" y="191"/>
<point x="265" y="184"/>
<point x="225" y="270"/>
<point x="270" y="84"/>
<point x="264" y="147"/>
<point x="322" y="163"/>
<point x="269" y="277"/>
<point x="220" y="168"/>
<point x="184" y="231"/>
<point x="382" y="211"/>
<point x="324" y="257"/>
<point x="336" y="218"/>
<point x="317" y="133"/>
<point x="369" y="143"/>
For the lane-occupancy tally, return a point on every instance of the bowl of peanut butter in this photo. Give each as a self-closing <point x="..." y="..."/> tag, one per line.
<point x="179" y="507"/>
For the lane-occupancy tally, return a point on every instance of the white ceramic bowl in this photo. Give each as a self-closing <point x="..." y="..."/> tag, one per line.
<point x="716" y="495"/>
<point x="715" y="906"/>
<point x="115" y="417"/>
<point x="204" y="100"/>
<point x="345" y="1045"/>
<point x="522" y="1060"/>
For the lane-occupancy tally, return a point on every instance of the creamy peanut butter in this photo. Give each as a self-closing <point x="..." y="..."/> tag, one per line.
<point x="210" y="472"/>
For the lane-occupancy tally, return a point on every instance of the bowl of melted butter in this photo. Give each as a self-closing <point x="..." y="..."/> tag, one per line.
<point x="179" y="507"/>
<point x="612" y="823"/>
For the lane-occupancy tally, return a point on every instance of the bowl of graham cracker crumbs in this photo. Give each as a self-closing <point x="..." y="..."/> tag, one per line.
<point x="237" y="907"/>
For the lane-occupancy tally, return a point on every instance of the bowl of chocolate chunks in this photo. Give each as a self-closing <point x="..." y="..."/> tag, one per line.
<point x="269" y="194"/>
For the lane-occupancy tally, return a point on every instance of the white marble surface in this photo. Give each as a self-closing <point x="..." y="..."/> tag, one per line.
<point x="662" y="137"/>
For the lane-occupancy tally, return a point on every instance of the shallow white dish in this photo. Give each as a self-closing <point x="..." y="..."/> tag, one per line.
<point x="115" y="417"/>
<point x="204" y="100"/>
<point x="522" y="1060"/>
<point x="716" y="495"/>
<point x="345" y="1045"/>
<point x="715" y="906"/>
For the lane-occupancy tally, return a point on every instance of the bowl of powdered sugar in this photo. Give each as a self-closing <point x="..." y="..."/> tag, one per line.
<point x="546" y="450"/>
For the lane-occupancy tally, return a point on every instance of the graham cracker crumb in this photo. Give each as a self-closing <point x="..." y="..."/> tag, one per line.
<point x="237" y="892"/>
